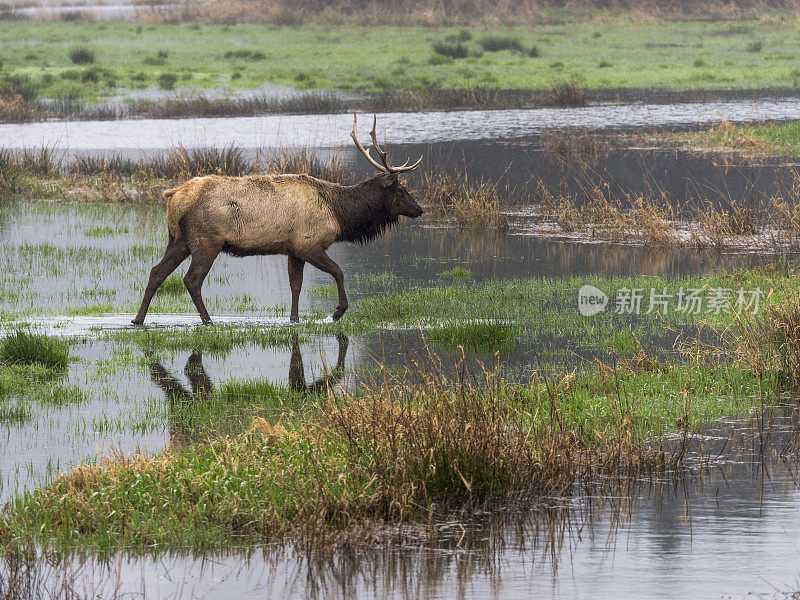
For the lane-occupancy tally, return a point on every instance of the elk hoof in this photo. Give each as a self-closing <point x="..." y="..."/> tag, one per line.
<point x="137" y="321"/>
<point x="337" y="314"/>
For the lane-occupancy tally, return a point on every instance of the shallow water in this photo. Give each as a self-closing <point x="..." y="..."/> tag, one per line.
<point x="331" y="131"/>
<point x="101" y="12"/>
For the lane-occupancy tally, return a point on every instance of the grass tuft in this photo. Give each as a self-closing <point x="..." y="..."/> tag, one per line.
<point x="497" y="43"/>
<point x="172" y="286"/>
<point x="81" y="56"/>
<point x="22" y="347"/>
<point x="452" y="50"/>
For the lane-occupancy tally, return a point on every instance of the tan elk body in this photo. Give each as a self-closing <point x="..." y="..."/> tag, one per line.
<point x="296" y="215"/>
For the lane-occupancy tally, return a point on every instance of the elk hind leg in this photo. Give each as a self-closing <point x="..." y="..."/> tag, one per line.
<point x="198" y="269"/>
<point x="174" y="255"/>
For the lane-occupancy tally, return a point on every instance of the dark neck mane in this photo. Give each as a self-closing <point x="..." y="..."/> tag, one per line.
<point x="360" y="210"/>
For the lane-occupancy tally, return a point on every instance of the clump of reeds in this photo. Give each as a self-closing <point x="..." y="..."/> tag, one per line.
<point x="14" y="108"/>
<point x="564" y="146"/>
<point x="600" y="214"/>
<point x="718" y="223"/>
<point x="604" y="212"/>
<point x="769" y="342"/>
<point x="18" y="169"/>
<point x="306" y="161"/>
<point x="185" y="163"/>
<point x="473" y="204"/>
<point x="489" y="336"/>
<point x="22" y="347"/>
<point x="19" y="101"/>
<point x="568" y="94"/>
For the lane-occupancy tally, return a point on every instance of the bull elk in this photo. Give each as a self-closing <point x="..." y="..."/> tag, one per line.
<point x="296" y="215"/>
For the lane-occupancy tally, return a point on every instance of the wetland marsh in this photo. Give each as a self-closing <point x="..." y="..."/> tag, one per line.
<point x="258" y="458"/>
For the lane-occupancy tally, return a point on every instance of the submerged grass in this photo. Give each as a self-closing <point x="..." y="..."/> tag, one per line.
<point x="480" y="337"/>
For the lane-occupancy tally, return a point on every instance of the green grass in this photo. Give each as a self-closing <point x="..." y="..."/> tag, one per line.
<point x="173" y="286"/>
<point x="782" y="139"/>
<point x="670" y="55"/>
<point x="214" y="340"/>
<point x="25" y="348"/>
<point x="481" y="337"/>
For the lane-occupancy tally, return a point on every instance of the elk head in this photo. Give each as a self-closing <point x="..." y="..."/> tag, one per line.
<point x="395" y="194"/>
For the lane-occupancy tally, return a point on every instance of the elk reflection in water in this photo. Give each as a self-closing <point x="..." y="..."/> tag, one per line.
<point x="183" y="431"/>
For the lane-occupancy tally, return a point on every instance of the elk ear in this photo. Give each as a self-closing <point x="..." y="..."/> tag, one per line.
<point x="388" y="180"/>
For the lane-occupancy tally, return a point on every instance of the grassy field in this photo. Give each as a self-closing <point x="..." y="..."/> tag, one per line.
<point x="85" y="60"/>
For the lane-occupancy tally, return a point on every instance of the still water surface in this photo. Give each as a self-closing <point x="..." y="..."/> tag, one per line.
<point x="330" y="131"/>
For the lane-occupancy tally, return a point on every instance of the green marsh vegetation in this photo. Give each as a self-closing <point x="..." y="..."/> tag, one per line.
<point x="449" y="66"/>
<point x="395" y="449"/>
<point x="255" y="462"/>
<point x="749" y="139"/>
<point x="25" y="348"/>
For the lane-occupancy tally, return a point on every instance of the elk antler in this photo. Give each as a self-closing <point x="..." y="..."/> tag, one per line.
<point x="384" y="156"/>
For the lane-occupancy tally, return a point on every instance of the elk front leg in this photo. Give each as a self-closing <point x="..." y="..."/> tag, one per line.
<point x="295" y="284"/>
<point x="324" y="263"/>
<point x="201" y="265"/>
<point x="174" y="255"/>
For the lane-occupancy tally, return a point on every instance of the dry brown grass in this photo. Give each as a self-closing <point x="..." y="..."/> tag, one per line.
<point x="473" y="205"/>
<point x="602" y="215"/>
<point x="14" y="108"/>
<point x="122" y="180"/>
<point x="657" y="219"/>
<point x="563" y="95"/>
<point x="457" y="12"/>
<point x="571" y="146"/>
